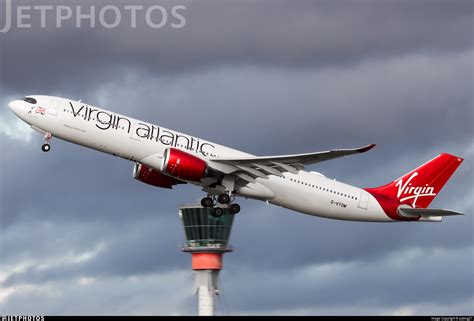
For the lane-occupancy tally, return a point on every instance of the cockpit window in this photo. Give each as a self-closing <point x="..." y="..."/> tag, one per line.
<point x="30" y="100"/>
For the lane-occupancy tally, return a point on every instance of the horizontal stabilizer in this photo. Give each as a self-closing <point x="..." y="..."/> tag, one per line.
<point x="426" y="212"/>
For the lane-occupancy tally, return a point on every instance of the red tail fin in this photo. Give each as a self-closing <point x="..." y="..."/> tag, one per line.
<point x="420" y="186"/>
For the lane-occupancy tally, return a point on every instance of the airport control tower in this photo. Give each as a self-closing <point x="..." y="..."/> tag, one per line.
<point x="207" y="240"/>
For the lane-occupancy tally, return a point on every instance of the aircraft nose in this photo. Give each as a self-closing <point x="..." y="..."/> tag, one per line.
<point x="13" y="105"/>
<point x="16" y="107"/>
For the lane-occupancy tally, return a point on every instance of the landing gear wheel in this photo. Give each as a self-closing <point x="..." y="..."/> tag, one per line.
<point x="234" y="208"/>
<point x="217" y="212"/>
<point x="223" y="198"/>
<point x="47" y="138"/>
<point x="207" y="202"/>
<point x="45" y="148"/>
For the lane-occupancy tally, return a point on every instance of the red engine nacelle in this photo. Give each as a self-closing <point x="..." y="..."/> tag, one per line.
<point x="183" y="165"/>
<point x="153" y="177"/>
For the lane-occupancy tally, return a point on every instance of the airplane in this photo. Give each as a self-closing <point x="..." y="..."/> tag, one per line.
<point x="165" y="158"/>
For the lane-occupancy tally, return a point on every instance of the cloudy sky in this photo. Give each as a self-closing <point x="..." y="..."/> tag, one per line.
<point x="80" y="236"/>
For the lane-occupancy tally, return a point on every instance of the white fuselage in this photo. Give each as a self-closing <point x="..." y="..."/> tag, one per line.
<point x="132" y="139"/>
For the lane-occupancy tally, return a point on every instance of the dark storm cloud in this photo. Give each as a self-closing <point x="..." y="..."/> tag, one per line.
<point x="397" y="279"/>
<point x="107" y="250"/>
<point x="102" y="173"/>
<point x="159" y="294"/>
<point x="271" y="33"/>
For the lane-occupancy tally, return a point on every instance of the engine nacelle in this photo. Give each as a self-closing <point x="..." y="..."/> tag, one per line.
<point x="153" y="177"/>
<point x="183" y="165"/>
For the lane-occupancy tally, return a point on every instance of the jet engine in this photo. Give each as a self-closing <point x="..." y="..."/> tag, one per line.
<point x="183" y="165"/>
<point x="153" y="177"/>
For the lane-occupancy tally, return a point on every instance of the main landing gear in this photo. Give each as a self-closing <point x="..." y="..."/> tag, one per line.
<point x="224" y="199"/>
<point x="46" y="147"/>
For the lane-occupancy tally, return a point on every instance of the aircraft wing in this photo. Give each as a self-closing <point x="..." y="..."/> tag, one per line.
<point x="257" y="166"/>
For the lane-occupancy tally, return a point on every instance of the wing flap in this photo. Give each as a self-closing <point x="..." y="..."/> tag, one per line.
<point x="269" y="169"/>
<point x="252" y="171"/>
<point x="245" y="177"/>
<point x="286" y="167"/>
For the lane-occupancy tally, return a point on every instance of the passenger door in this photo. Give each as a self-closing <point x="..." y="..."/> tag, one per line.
<point x="54" y="108"/>
<point x="363" y="200"/>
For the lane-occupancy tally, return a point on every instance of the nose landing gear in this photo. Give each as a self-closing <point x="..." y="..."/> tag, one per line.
<point x="46" y="147"/>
